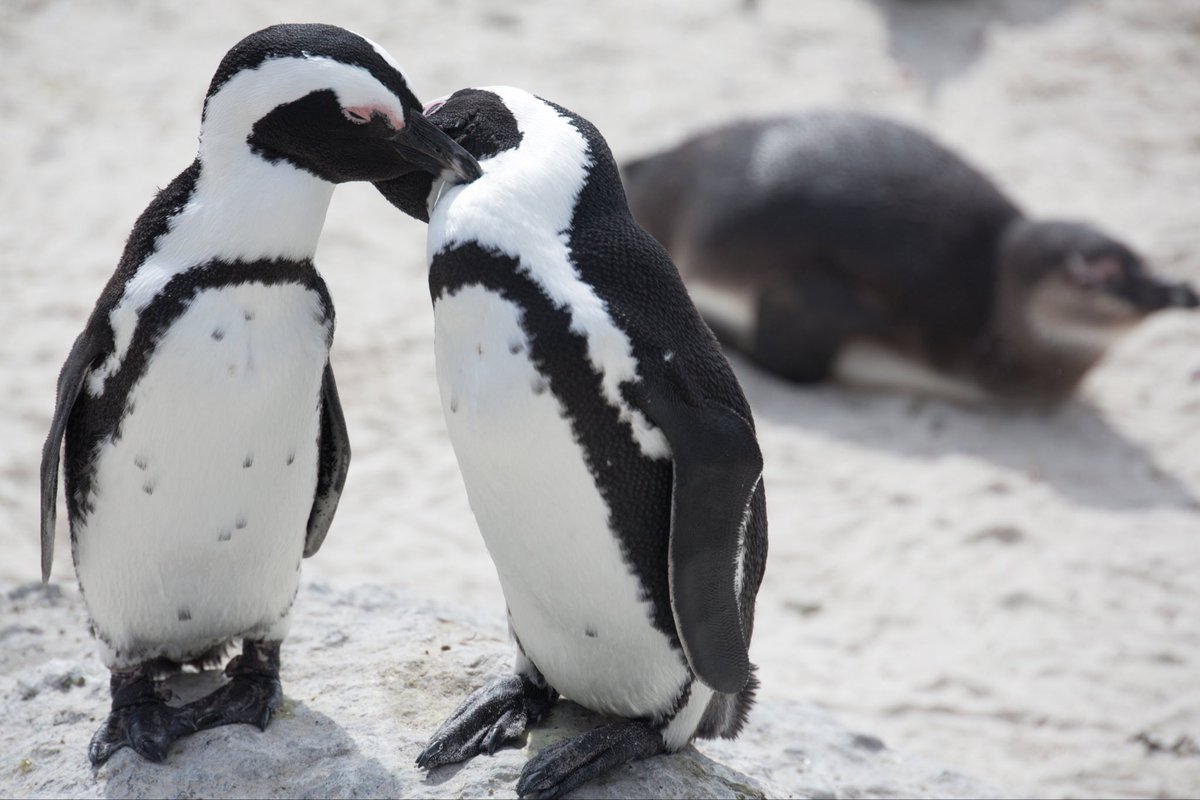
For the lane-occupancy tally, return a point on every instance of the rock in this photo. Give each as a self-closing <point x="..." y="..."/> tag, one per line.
<point x="368" y="674"/>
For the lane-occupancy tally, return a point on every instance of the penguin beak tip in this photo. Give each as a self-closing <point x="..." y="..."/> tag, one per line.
<point x="468" y="170"/>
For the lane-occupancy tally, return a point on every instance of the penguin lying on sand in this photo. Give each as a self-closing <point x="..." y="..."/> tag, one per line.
<point x="841" y="245"/>
<point x="608" y="452"/>
<point x="205" y="445"/>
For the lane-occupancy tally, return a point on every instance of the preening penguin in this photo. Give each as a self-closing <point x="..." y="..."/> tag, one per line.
<point x="205" y="445"/>
<point x="608" y="452"/>
<point x="842" y="245"/>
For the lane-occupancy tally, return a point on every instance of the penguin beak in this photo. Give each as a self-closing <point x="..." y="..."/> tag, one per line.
<point x="1151" y="294"/>
<point x="433" y="151"/>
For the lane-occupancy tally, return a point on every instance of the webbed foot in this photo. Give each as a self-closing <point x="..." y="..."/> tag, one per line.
<point x="251" y="696"/>
<point x="493" y="715"/>
<point x="570" y="763"/>
<point x="140" y="719"/>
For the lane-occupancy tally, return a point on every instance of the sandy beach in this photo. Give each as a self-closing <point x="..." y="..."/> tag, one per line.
<point x="1013" y="593"/>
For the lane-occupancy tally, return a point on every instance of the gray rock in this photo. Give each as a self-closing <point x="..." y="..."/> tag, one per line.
<point x="367" y="675"/>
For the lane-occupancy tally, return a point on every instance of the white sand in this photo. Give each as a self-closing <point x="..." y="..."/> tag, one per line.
<point x="1015" y="594"/>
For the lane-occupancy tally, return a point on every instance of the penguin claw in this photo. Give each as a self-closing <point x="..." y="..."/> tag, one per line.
<point x="428" y="756"/>
<point x="149" y="729"/>
<point x="568" y="764"/>
<point x="490" y="717"/>
<point x="511" y="725"/>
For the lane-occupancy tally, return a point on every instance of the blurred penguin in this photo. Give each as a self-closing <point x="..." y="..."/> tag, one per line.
<point x="837" y="245"/>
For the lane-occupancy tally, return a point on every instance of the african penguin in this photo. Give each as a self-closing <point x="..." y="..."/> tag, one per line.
<point x="608" y="452"/>
<point x="842" y="245"/>
<point x="205" y="445"/>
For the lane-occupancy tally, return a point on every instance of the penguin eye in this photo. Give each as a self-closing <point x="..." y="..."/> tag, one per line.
<point x="356" y="115"/>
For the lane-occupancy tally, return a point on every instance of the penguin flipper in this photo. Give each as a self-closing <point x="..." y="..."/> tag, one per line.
<point x="333" y="462"/>
<point x="717" y="468"/>
<point x="70" y="383"/>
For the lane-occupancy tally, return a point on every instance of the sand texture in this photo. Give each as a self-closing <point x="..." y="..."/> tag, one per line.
<point x="355" y="732"/>
<point x="1012" y="593"/>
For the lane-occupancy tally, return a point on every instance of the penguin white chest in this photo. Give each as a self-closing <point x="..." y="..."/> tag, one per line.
<point x="200" y="500"/>
<point x="575" y="605"/>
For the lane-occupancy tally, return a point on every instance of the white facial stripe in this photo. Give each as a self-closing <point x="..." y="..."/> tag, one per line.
<point x="522" y="207"/>
<point x="253" y="93"/>
<point x="386" y="56"/>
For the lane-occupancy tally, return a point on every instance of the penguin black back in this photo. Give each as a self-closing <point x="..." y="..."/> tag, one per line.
<point x="846" y="193"/>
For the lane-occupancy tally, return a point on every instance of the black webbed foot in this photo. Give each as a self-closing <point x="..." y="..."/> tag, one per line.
<point x="493" y="715"/>
<point x="251" y="696"/>
<point x="149" y="730"/>
<point x="569" y="764"/>
<point x="140" y="719"/>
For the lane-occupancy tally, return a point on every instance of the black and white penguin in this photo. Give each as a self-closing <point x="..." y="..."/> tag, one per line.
<point x="608" y="452"/>
<point x="842" y="245"/>
<point x="205" y="445"/>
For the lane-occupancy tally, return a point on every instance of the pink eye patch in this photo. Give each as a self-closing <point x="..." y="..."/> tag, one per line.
<point x="360" y="115"/>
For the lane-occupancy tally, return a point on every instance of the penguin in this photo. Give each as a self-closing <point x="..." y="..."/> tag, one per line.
<point x="844" y="246"/>
<point x="205" y="445"/>
<point x="608" y="452"/>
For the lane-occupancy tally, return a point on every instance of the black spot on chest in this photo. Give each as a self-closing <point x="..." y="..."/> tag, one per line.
<point x="95" y="420"/>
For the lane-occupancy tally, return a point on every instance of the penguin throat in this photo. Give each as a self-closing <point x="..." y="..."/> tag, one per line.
<point x="244" y="207"/>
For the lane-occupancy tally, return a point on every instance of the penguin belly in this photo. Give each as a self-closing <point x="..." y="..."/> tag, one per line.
<point x="575" y="606"/>
<point x="201" y="497"/>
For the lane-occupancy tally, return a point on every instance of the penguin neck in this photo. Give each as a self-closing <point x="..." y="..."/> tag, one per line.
<point x="1030" y="351"/>
<point x="244" y="207"/>
<point x="528" y="192"/>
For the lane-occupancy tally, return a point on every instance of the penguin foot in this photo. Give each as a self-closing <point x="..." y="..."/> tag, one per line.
<point x="570" y="763"/>
<point x="251" y="696"/>
<point x="148" y="729"/>
<point x="247" y="699"/>
<point x="140" y="718"/>
<point x="493" y="715"/>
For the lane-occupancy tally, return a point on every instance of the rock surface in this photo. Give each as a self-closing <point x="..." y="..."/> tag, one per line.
<point x="367" y="675"/>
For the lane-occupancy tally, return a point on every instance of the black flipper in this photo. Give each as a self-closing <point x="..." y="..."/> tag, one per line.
<point x="717" y="466"/>
<point x="333" y="463"/>
<point x="74" y="372"/>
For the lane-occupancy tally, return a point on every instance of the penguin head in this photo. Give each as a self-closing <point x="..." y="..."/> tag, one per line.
<point x="529" y="148"/>
<point x="476" y="119"/>
<point x="1075" y="278"/>
<point x="326" y="101"/>
<point x="1085" y="261"/>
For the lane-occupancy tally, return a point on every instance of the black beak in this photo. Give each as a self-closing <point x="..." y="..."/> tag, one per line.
<point x="1151" y="294"/>
<point x="1184" y="296"/>
<point x="433" y="151"/>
